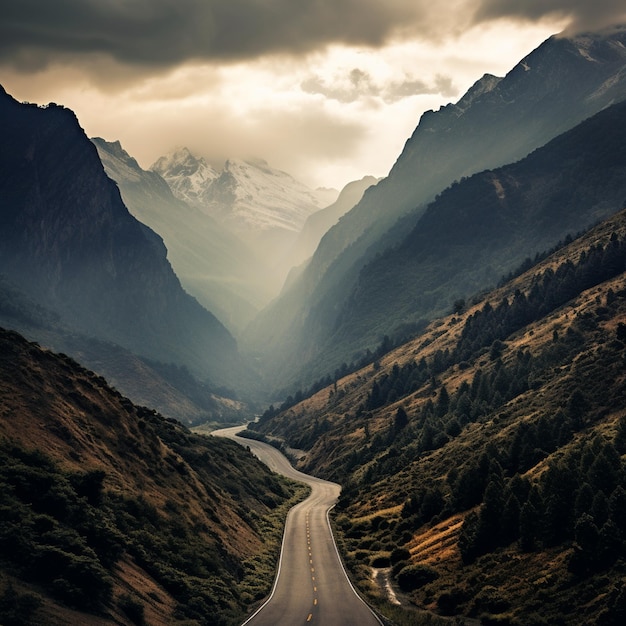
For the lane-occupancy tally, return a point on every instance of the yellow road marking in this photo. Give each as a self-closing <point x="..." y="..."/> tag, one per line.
<point x="310" y="617"/>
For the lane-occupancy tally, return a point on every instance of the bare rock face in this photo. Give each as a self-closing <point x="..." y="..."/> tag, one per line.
<point x="68" y="241"/>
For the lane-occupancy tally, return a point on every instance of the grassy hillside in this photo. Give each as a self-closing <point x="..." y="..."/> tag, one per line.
<point x="113" y="514"/>
<point x="483" y="463"/>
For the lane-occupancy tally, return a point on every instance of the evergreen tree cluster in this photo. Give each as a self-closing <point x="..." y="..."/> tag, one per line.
<point x="490" y="326"/>
<point x="548" y="291"/>
<point x="579" y="500"/>
<point x="386" y="345"/>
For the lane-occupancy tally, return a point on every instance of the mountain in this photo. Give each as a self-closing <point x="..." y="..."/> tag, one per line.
<point x="483" y="227"/>
<point x="113" y="514"/>
<point x="319" y="223"/>
<point x="213" y="264"/>
<point x="263" y="206"/>
<point x="188" y="176"/>
<point x="68" y="242"/>
<point x="498" y="121"/>
<point x="247" y="194"/>
<point x="483" y="463"/>
<point x="170" y="389"/>
<point x="251" y="195"/>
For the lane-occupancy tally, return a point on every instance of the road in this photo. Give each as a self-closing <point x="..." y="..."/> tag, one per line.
<point x="311" y="586"/>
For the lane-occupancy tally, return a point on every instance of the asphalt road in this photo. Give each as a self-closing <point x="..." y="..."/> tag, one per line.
<point x="311" y="585"/>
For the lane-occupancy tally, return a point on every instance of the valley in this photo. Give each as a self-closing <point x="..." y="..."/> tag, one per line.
<point x="403" y="402"/>
<point x="309" y="557"/>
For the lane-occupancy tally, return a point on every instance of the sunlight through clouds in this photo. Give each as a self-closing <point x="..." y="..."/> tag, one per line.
<point x="332" y="108"/>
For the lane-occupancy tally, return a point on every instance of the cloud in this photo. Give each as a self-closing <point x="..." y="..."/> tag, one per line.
<point x="158" y="34"/>
<point x="583" y="14"/>
<point x="358" y="84"/>
<point x="167" y="32"/>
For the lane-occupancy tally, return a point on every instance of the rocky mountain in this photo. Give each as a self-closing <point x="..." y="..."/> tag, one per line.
<point x="68" y="242"/>
<point x="213" y="264"/>
<point x="498" y="121"/>
<point x="247" y="194"/>
<point x="263" y="206"/>
<point x="483" y="462"/>
<point x="251" y="195"/>
<point x="112" y="514"/>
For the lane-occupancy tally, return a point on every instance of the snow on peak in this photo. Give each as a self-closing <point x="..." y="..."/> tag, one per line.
<point x="247" y="194"/>
<point x="251" y="194"/>
<point x="188" y="176"/>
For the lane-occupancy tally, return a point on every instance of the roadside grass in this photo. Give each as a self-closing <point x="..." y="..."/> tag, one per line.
<point x="260" y="570"/>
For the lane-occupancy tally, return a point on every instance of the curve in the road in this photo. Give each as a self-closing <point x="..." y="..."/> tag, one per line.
<point x="311" y="584"/>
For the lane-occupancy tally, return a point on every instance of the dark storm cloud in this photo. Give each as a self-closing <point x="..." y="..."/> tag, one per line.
<point x="167" y="32"/>
<point x="584" y="14"/>
<point x="163" y="33"/>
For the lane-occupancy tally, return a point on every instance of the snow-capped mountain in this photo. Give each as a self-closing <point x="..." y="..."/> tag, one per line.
<point x="248" y="195"/>
<point x="188" y="176"/>
<point x="251" y="194"/>
<point x="213" y="264"/>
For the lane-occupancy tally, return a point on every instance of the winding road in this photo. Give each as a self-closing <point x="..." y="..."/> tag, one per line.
<point x="311" y="586"/>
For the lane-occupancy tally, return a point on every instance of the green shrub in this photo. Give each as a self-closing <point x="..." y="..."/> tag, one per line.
<point x="413" y="577"/>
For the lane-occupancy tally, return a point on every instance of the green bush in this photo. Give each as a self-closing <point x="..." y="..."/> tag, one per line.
<point x="413" y="577"/>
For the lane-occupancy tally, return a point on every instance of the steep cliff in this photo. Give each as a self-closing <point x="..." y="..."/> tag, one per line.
<point x="68" y="241"/>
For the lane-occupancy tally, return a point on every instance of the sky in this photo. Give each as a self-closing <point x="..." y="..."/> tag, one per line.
<point x="327" y="90"/>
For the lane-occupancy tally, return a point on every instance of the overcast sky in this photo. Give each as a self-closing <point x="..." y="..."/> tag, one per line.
<point x="328" y="90"/>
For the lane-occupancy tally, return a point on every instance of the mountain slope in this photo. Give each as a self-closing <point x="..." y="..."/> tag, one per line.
<point x="246" y="194"/>
<point x="251" y="195"/>
<point x="480" y="229"/>
<point x="114" y="515"/>
<point x="498" y="121"/>
<point x="171" y="390"/>
<point x="69" y="243"/>
<point x="319" y="223"/>
<point x="483" y="462"/>
<point x="212" y="263"/>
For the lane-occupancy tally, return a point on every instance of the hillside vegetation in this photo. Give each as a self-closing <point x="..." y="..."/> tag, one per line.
<point x="113" y="514"/>
<point x="483" y="462"/>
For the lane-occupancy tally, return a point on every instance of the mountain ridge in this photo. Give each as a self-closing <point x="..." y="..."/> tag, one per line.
<point x="264" y="207"/>
<point x="246" y="193"/>
<point x="69" y="243"/>
<point x="113" y="514"/>
<point x="213" y="264"/>
<point x="552" y="89"/>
